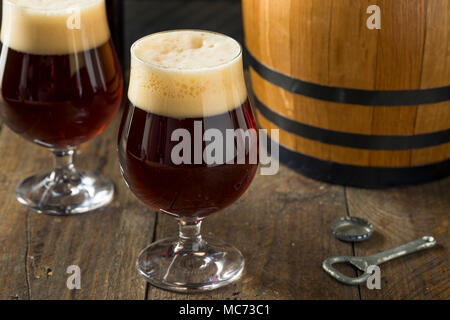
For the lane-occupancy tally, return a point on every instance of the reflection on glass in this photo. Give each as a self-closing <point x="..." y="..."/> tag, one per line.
<point x="61" y="85"/>
<point x="187" y="95"/>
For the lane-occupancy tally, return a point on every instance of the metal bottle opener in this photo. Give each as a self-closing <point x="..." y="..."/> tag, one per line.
<point x="362" y="263"/>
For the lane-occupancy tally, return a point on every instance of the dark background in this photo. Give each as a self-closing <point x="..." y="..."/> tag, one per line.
<point x="143" y="17"/>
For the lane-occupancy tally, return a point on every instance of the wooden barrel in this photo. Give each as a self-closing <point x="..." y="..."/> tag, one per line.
<point x="355" y="106"/>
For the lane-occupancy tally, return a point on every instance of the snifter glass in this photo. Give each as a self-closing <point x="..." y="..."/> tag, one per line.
<point x="61" y="85"/>
<point x="187" y="96"/>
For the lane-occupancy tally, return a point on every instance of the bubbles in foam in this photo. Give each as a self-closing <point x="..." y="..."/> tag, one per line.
<point x="187" y="50"/>
<point x="51" y="27"/>
<point x="187" y="74"/>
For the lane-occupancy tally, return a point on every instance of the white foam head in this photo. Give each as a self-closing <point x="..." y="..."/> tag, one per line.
<point x="187" y="74"/>
<point x="54" y="26"/>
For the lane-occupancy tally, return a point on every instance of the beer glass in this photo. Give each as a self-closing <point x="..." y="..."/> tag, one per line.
<point x="188" y="147"/>
<point x="61" y="85"/>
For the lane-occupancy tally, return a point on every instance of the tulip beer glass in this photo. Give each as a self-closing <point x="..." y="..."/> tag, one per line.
<point x="61" y="85"/>
<point x="188" y="148"/>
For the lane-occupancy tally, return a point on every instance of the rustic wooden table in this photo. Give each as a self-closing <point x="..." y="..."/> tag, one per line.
<point x="281" y="224"/>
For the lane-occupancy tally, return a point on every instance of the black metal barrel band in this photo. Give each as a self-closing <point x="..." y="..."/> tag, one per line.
<point x="347" y="95"/>
<point x="353" y="140"/>
<point x="360" y="176"/>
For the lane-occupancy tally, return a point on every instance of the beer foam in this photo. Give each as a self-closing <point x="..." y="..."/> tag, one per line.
<point x="54" y="27"/>
<point x="187" y="74"/>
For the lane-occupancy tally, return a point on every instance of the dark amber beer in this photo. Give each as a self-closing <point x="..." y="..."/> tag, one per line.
<point x="188" y="147"/>
<point x="156" y="110"/>
<point x="51" y="93"/>
<point x="60" y="86"/>
<point x="182" y="190"/>
<point x="57" y="106"/>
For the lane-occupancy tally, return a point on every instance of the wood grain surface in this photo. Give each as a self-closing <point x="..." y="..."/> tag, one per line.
<point x="399" y="216"/>
<point x="37" y="249"/>
<point x="327" y="43"/>
<point x="281" y="224"/>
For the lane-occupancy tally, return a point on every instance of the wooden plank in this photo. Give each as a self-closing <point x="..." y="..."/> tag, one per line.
<point x="352" y="46"/>
<point x="436" y="59"/>
<point x="435" y="73"/>
<point x="104" y="244"/>
<point x="282" y="226"/>
<point x="394" y="71"/>
<point x="401" y="215"/>
<point x="13" y="234"/>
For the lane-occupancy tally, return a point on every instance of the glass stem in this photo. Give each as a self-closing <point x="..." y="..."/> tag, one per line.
<point x="189" y="237"/>
<point x="64" y="159"/>
<point x="64" y="169"/>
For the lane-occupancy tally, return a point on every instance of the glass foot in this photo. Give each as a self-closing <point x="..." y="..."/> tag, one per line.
<point x="171" y="265"/>
<point x="65" y="192"/>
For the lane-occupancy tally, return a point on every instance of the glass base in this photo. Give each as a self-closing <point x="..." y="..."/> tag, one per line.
<point x="170" y="265"/>
<point x="65" y="193"/>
